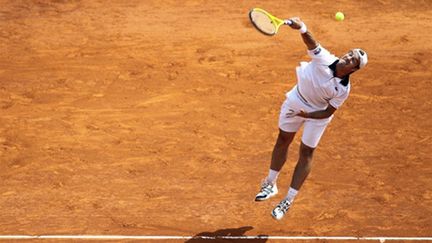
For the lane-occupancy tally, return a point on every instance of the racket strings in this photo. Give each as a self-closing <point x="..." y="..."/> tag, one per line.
<point x="263" y="22"/>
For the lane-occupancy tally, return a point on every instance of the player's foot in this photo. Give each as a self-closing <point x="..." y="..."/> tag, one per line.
<point x="280" y="210"/>
<point x="267" y="191"/>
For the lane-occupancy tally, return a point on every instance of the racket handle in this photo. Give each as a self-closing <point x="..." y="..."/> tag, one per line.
<point x="288" y="22"/>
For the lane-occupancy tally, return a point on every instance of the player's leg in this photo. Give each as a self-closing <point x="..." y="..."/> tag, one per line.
<point x="288" y="126"/>
<point x="279" y="156"/>
<point x="313" y="130"/>
<point x="303" y="167"/>
<point x="301" y="172"/>
<point x="280" y="150"/>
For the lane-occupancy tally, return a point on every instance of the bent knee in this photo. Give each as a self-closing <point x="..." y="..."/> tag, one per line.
<point x="306" y="151"/>
<point x="285" y="138"/>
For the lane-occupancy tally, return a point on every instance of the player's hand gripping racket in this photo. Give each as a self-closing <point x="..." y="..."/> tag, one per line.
<point x="265" y="22"/>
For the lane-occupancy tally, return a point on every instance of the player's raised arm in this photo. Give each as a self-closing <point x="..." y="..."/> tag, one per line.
<point x="308" y="39"/>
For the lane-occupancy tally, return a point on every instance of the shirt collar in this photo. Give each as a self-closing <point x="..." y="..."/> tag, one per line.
<point x="345" y="80"/>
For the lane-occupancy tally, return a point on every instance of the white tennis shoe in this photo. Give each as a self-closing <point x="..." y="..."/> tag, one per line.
<point x="267" y="191"/>
<point x="280" y="210"/>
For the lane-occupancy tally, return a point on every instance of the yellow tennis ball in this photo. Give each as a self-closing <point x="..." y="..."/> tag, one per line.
<point x="339" y="16"/>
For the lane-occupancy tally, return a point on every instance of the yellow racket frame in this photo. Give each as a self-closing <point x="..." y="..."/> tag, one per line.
<point x="277" y="22"/>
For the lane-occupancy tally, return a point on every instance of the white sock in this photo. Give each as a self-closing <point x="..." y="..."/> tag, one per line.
<point x="272" y="176"/>
<point x="291" y="194"/>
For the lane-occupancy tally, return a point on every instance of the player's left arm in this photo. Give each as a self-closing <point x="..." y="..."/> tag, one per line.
<point x="318" y="114"/>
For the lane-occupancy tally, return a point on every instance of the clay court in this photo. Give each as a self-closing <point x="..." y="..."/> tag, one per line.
<point x="159" y="118"/>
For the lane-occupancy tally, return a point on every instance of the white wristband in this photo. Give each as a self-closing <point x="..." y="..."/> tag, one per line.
<point x="303" y="29"/>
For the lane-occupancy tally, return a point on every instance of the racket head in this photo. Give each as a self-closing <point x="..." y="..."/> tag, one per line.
<point x="264" y="21"/>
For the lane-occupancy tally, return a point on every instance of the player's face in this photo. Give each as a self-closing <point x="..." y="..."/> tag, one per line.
<point x="350" y="61"/>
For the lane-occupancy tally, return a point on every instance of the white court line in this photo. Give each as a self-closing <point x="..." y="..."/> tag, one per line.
<point x="243" y="237"/>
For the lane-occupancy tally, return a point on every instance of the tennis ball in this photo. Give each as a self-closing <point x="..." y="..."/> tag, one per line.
<point x="339" y="16"/>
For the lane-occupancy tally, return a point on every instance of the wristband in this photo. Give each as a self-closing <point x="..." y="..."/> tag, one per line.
<point x="303" y="29"/>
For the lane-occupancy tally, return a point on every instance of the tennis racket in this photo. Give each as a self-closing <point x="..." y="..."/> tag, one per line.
<point x="265" y="22"/>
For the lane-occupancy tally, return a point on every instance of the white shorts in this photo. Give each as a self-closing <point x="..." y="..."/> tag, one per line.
<point x="313" y="128"/>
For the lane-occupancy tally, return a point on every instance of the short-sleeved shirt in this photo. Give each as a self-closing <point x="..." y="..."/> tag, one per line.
<point x="317" y="83"/>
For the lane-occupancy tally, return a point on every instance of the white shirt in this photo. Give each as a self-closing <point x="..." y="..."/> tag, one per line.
<point x="316" y="83"/>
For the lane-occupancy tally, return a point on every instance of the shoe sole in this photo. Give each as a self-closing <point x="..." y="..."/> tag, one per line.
<point x="264" y="199"/>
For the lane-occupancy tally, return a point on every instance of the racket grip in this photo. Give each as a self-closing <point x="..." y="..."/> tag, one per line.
<point x="288" y="22"/>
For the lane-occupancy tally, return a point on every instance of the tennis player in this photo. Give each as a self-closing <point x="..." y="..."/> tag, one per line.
<point x="322" y="87"/>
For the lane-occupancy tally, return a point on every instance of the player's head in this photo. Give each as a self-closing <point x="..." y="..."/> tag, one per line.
<point x="354" y="60"/>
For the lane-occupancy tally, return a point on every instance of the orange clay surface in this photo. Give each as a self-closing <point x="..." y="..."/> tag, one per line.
<point x="159" y="118"/>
